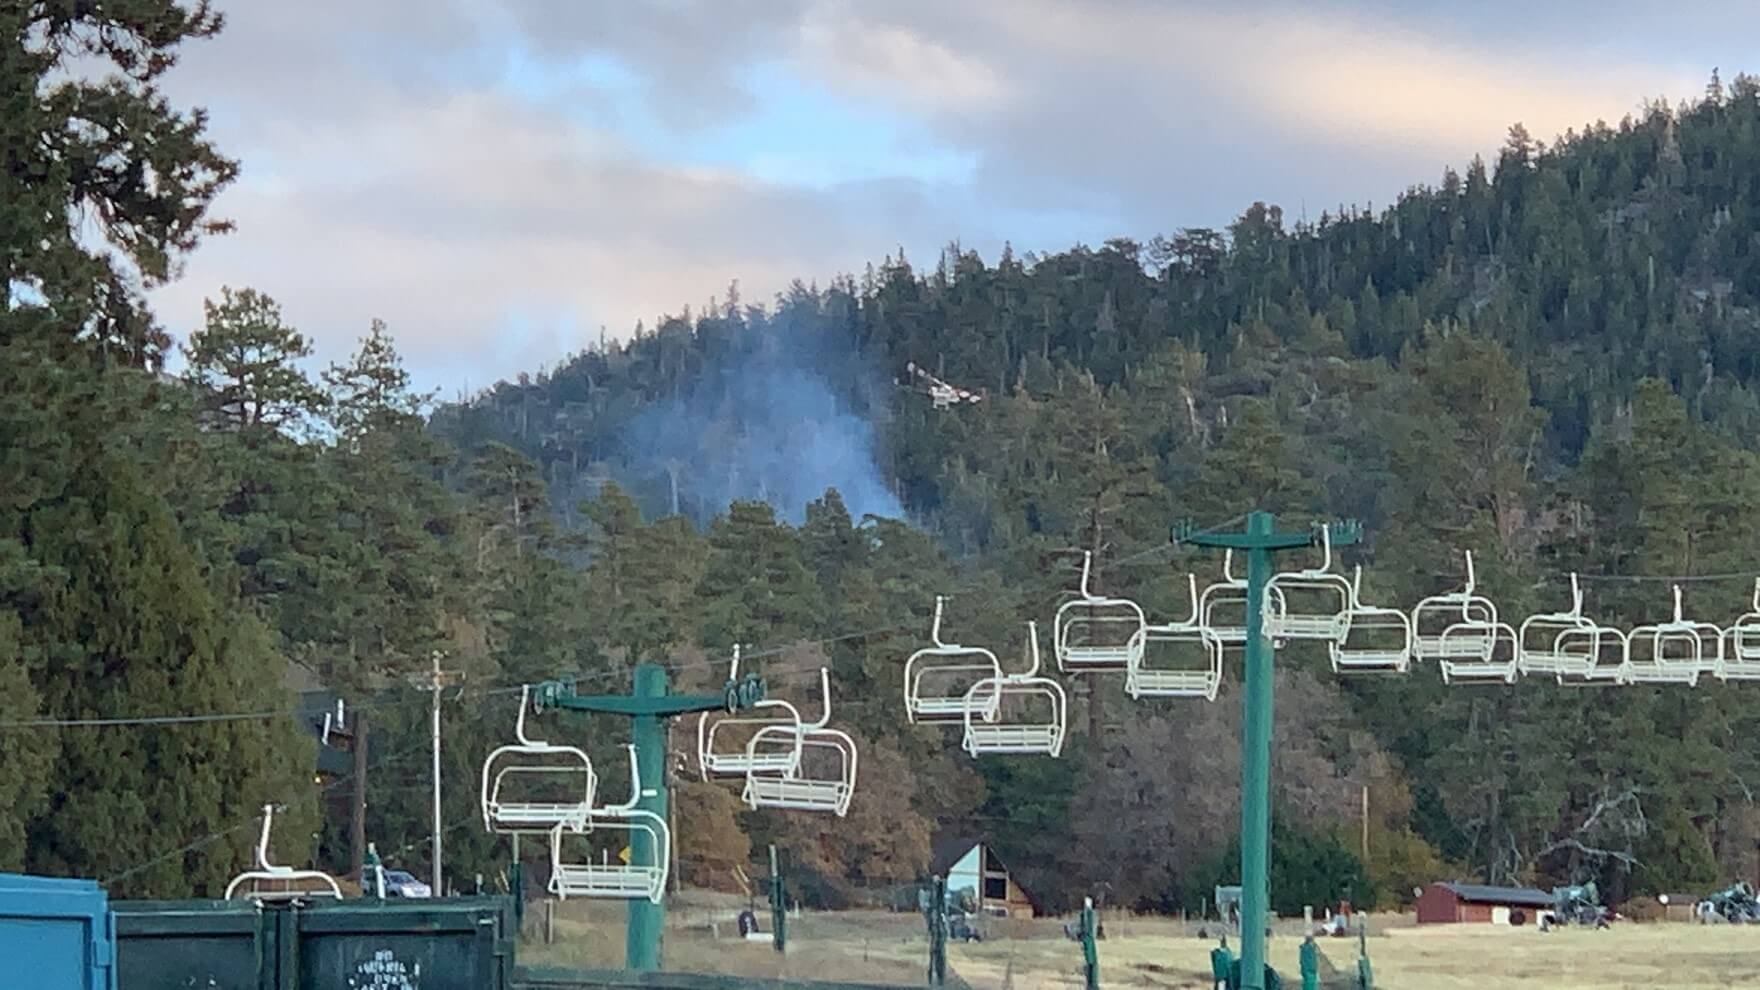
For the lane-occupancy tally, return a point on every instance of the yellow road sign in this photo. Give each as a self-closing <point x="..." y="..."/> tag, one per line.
<point x="623" y="854"/>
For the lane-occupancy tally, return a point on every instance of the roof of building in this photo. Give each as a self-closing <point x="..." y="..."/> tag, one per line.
<point x="1485" y="894"/>
<point x="946" y="850"/>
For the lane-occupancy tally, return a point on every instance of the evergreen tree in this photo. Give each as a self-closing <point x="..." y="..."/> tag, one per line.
<point x="99" y="142"/>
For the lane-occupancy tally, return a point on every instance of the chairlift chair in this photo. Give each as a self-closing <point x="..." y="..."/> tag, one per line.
<point x="1223" y="598"/>
<point x="1555" y="642"/>
<point x="1322" y="599"/>
<point x="721" y="750"/>
<point x="823" y="774"/>
<point x="1093" y="632"/>
<point x="276" y="883"/>
<point x="1673" y="652"/>
<point x="531" y="786"/>
<point x="609" y="878"/>
<point x="1031" y="712"/>
<point x="1741" y="652"/>
<point x="1601" y="653"/>
<point x="1461" y="632"/>
<point x="1479" y="652"/>
<point x="1377" y="639"/>
<point x="1197" y="673"/>
<point x="938" y="678"/>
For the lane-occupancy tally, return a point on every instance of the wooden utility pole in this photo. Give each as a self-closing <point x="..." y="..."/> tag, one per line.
<point x="357" y="819"/>
<point x="437" y="680"/>
<point x="1096" y="709"/>
<point x="1365" y="826"/>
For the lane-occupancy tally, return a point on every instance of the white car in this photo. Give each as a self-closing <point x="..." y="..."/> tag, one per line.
<point x="399" y="883"/>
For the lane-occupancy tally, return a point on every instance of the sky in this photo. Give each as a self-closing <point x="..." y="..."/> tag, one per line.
<point x="504" y="181"/>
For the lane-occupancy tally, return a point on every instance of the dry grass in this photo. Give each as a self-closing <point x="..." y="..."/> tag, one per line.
<point x="878" y="947"/>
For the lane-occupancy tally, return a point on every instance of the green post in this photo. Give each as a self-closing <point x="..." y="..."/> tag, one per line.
<point x="373" y="873"/>
<point x="1310" y="964"/>
<point x="1259" y="541"/>
<point x="935" y="913"/>
<point x="516" y="885"/>
<point x="647" y="920"/>
<point x="778" y="905"/>
<point x="1090" y="951"/>
<point x="1365" y="972"/>
<point x="1256" y="760"/>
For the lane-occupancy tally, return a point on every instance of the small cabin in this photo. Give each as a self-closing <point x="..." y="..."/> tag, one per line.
<point x="1453" y="903"/>
<point x="970" y="864"/>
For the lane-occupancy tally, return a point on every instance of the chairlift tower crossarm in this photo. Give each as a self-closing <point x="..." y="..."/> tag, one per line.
<point x="648" y="706"/>
<point x="1260" y="540"/>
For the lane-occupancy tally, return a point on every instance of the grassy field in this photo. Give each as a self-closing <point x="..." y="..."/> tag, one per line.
<point x="879" y="947"/>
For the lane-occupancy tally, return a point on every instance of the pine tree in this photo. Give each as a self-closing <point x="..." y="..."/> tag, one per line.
<point x="244" y="362"/>
<point x="102" y="143"/>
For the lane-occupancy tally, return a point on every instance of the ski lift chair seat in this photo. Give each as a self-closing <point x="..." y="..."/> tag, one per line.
<point x="1313" y="586"/>
<point x="949" y="670"/>
<point x="530" y="786"/>
<point x="1040" y="731"/>
<point x="1585" y="656"/>
<point x="1673" y="652"/>
<point x="585" y="878"/>
<point x="806" y="787"/>
<point x="1468" y="653"/>
<point x="1741" y="652"/>
<point x="1190" y="680"/>
<point x="608" y="878"/>
<point x="1370" y="653"/>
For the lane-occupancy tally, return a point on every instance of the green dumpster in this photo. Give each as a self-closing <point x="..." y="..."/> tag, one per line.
<point x="174" y="945"/>
<point x="452" y="944"/>
<point x="443" y="944"/>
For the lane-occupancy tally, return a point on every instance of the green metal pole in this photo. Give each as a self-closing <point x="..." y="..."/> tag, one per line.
<point x="936" y="915"/>
<point x="1090" y="951"/>
<point x="647" y="920"/>
<point x="1256" y="763"/>
<point x="778" y="905"/>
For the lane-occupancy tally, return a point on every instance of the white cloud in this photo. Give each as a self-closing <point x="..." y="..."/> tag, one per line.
<point x="896" y="62"/>
<point x="390" y="169"/>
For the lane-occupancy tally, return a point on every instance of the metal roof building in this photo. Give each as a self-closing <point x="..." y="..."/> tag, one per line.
<point x="1472" y="902"/>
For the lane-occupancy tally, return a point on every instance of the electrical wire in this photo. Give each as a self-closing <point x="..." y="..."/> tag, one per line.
<point x="1015" y="596"/>
<point x="218" y="834"/>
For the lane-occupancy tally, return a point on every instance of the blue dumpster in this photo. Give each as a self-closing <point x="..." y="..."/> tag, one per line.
<point x="55" y="934"/>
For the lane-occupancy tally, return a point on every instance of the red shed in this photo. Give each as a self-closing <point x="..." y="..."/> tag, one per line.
<point x="1471" y="902"/>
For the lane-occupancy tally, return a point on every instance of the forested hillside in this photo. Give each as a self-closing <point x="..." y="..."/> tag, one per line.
<point x="1547" y="360"/>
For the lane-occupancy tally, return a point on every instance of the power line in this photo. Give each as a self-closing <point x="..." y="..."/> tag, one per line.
<point x="218" y="834"/>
